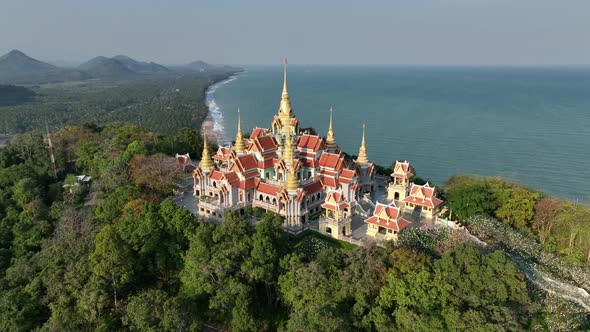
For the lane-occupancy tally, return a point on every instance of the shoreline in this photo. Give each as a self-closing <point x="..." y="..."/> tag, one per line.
<point x="212" y="126"/>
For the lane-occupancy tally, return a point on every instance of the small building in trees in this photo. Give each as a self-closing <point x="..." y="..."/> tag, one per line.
<point x="184" y="163"/>
<point x="400" y="181"/>
<point x="422" y="201"/>
<point x="386" y="222"/>
<point x="336" y="222"/>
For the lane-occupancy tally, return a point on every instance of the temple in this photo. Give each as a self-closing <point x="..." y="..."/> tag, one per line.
<point x="299" y="174"/>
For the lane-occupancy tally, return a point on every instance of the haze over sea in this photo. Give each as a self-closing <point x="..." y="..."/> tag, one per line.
<point x="531" y="124"/>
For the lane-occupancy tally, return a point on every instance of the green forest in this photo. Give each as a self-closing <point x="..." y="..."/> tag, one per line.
<point x="119" y="255"/>
<point x="164" y="104"/>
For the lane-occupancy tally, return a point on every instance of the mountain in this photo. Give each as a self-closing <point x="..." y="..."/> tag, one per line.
<point x="103" y="67"/>
<point x="141" y="66"/>
<point x="121" y="66"/>
<point x="200" y="65"/>
<point x="17" y="67"/>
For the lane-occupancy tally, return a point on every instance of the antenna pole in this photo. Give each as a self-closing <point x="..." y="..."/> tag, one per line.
<point x="50" y="148"/>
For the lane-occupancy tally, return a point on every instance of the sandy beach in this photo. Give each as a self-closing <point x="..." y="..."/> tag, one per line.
<point x="213" y="124"/>
<point x="207" y="128"/>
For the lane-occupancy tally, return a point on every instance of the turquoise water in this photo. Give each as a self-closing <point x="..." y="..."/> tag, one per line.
<point x="528" y="124"/>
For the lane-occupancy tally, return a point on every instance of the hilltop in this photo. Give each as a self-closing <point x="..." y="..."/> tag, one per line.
<point x="17" y="67"/>
<point x="141" y="66"/>
<point x="121" y="66"/>
<point x="103" y="67"/>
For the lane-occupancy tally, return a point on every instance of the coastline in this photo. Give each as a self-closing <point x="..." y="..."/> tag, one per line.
<point x="212" y="126"/>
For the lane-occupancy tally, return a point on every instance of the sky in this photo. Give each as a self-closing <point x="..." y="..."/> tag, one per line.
<point x="414" y="32"/>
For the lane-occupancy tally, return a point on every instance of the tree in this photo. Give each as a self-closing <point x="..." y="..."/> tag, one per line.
<point x="187" y="140"/>
<point x="154" y="310"/>
<point x="470" y="198"/>
<point x="267" y="248"/>
<point x="112" y="259"/>
<point x="516" y="206"/>
<point x="313" y="292"/>
<point x="154" y="172"/>
<point x="547" y="211"/>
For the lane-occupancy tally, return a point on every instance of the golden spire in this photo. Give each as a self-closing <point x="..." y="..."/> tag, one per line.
<point x="206" y="161"/>
<point x="285" y="112"/>
<point x="239" y="146"/>
<point x="330" y="140"/>
<point x="362" y="157"/>
<point x="288" y="153"/>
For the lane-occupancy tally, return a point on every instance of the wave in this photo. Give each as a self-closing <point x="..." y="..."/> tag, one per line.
<point x="215" y="111"/>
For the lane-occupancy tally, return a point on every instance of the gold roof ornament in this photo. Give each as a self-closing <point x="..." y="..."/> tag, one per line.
<point x="292" y="180"/>
<point x="330" y="139"/>
<point x="239" y="146"/>
<point x="285" y="112"/>
<point x="288" y="153"/>
<point x="206" y="161"/>
<point x="362" y="157"/>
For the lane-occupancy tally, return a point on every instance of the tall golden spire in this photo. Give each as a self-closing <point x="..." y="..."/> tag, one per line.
<point x="206" y="161"/>
<point x="285" y="112"/>
<point x="362" y="157"/>
<point x="330" y="140"/>
<point x="239" y="146"/>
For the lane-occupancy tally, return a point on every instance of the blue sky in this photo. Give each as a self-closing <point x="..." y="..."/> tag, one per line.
<point x="448" y="32"/>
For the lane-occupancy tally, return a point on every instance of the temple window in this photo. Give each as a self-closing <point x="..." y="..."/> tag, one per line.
<point x="328" y="230"/>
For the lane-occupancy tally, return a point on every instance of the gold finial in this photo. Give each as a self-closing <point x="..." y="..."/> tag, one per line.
<point x="362" y="157"/>
<point x="206" y="161"/>
<point x="292" y="180"/>
<point x="285" y="111"/>
<point x="285" y="92"/>
<point x="330" y="139"/>
<point x="239" y="146"/>
<point x="288" y="153"/>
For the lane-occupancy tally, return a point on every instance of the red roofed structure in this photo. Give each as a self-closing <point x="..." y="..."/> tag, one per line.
<point x="184" y="162"/>
<point x="423" y="198"/>
<point x="311" y="142"/>
<point x="386" y="222"/>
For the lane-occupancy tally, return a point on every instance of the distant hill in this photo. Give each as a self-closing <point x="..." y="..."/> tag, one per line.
<point x="121" y="66"/>
<point x="200" y="65"/>
<point x="17" y="67"/>
<point x="103" y="67"/>
<point x="141" y="66"/>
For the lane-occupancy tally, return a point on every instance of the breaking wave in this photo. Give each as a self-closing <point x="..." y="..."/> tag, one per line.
<point x="216" y="111"/>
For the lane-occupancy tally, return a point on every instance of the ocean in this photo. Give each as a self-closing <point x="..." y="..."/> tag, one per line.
<point x="529" y="124"/>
